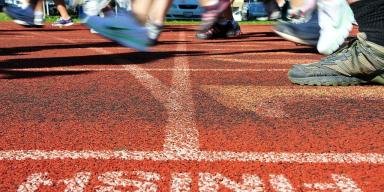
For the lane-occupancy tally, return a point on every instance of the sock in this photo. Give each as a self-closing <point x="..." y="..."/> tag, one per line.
<point x="38" y="18"/>
<point x="39" y="15"/>
<point x="369" y="15"/>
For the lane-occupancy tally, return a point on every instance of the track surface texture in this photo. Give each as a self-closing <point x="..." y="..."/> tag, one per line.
<point x="81" y="113"/>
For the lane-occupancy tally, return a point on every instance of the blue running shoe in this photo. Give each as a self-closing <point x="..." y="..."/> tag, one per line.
<point x="61" y="22"/>
<point x="21" y="16"/>
<point x="306" y="32"/>
<point x="123" y="28"/>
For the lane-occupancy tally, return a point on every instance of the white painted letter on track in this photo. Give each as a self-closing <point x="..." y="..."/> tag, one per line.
<point x="34" y="181"/>
<point x="117" y="180"/>
<point x="340" y="183"/>
<point x="212" y="182"/>
<point x="181" y="182"/>
<point x="280" y="183"/>
<point x="78" y="183"/>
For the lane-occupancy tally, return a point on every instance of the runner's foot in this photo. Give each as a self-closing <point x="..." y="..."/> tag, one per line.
<point x="360" y="62"/>
<point x="123" y="28"/>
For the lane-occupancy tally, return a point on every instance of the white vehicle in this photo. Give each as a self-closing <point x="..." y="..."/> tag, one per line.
<point x="185" y="9"/>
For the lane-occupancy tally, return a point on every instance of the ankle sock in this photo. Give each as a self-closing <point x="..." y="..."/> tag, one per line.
<point x="369" y="15"/>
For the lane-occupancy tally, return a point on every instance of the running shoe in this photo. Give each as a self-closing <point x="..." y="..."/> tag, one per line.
<point x="232" y="29"/>
<point x="61" y="22"/>
<point x="154" y="32"/>
<point x="335" y="20"/>
<point x="24" y="17"/>
<point x="223" y="29"/>
<point x="93" y="31"/>
<point x="306" y="33"/>
<point x="360" y="62"/>
<point x="123" y="28"/>
<point x="212" y="13"/>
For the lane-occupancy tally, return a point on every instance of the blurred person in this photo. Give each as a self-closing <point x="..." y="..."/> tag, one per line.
<point x="360" y="62"/>
<point x="128" y="28"/>
<point x="30" y="14"/>
<point x="224" y="27"/>
<point x="326" y="28"/>
<point x="212" y="10"/>
<point x="156" y="19"/>
<point x="65" y="19"/>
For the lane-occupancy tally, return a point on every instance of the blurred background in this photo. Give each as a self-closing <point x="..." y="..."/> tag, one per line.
<point x="243" y="10"/>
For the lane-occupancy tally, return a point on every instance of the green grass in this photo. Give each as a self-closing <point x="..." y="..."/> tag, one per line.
<point x="4" y="17"/>
<point x="50" y="19"/>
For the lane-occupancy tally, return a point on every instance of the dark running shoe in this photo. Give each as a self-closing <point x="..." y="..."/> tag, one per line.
<point x="358" y="63"/>
<point x="61" y="22"/>
<point x="306" y="32"/>
<point x="224" y="29"/>
<point x="212" y="13"/>
<point x="233" y="29"/>
<point x="123" y="28"/>
<point x="24" y="17"/>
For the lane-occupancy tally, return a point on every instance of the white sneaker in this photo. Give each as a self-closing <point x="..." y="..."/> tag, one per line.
<point x="93" y="31"/>
<point x="335" y="20"/>
<point x="94" y="7"/>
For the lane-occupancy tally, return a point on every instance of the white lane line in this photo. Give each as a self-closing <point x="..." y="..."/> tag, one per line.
<point x="182" y="136"/>
<point x="135" y="68"/>
<point x="259" y="61"/>
<point x="200" y="156"/>
<point x="181" y="132"/>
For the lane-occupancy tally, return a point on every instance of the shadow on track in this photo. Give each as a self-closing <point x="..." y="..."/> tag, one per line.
<point x="37" y="74"/>
<point x="9" y="68"/>
<point x="18" y="50"/>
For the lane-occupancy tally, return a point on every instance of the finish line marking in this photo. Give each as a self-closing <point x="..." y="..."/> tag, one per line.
<point x="200" y="156"/>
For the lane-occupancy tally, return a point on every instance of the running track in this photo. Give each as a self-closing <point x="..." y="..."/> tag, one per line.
<point x="80" y="113"/>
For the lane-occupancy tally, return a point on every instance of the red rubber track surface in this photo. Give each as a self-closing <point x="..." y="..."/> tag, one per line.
<point x="70" y="91"/>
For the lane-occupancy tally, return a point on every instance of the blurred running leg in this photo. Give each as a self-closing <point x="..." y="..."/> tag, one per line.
<point x="156" y="17"/>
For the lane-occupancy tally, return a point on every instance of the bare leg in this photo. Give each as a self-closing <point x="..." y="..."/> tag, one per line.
<point x="60" y="5"/>
<point x="156" y="18"/>
<point x="141" y="9"/>
<point x="208" y="2"/>
<point x="352" y="1"/>
<point x="158" y="11"/>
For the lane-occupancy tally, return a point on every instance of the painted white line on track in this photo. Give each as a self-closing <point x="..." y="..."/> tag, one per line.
<point x="200" y="156"/>
<point x="259" y="61"/>
<point x="182" y="136"/>
<point x="135" y="68"/>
